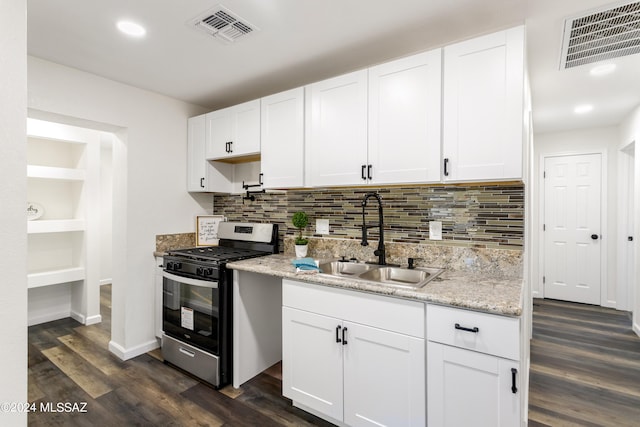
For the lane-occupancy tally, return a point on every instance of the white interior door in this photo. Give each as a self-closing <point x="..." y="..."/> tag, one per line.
<point x="572" y="224"/>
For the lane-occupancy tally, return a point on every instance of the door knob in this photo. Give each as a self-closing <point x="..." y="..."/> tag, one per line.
<point x="594" y="236"/>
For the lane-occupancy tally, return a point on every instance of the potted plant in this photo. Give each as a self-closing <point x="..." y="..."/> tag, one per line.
<point x="300" y="220"/>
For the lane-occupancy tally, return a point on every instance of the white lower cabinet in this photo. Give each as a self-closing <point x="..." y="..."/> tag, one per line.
<point x="384" y="378"/>
<point x="467" y="388"/>
<point x="470" y="380"/>
<point x="349" y="372"/>
<point x="312" y="361"/>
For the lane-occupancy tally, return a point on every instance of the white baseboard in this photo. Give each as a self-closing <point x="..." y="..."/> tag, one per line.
<point x="49" y="317"/>
<point x="92" y="320"/>
<point x="126" y="354"/>
<point x="636" y="329"/>
<point x="78" y="316"/>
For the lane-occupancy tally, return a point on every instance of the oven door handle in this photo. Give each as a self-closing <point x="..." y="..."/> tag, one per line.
<point x="189" y="281"/>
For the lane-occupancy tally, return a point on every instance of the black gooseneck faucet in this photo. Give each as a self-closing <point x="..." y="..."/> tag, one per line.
<point x="380" y="252"/>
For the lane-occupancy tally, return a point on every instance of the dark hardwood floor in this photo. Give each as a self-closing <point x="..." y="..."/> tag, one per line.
<point x="69" y="362"/>
<point x="585" y="371"/>
<point x="585" y="366"/>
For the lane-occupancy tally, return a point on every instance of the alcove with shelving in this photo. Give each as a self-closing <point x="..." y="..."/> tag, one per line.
<point x="63" y="177"/>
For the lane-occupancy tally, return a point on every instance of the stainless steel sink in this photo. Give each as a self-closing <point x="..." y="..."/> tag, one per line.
<point x="382" y="275"/>
<point x="339" y="268"/>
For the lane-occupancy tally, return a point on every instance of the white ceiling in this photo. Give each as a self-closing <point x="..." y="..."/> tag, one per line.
<point x="302" y="41"/>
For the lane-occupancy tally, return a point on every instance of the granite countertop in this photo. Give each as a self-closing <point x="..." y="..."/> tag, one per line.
<point x="454" y="288"/>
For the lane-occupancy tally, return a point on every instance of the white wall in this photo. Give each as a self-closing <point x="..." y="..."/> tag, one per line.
<point x="106" y="206"/>
<point x="13" y="200"/>
<point x="149" y="185"/>
<point x="629" y="132"/>
<point x="583" y="141"/>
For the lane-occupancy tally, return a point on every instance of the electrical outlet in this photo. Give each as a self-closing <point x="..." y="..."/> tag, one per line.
<point x="322" y="226"/>
<point x="435" y="230"/>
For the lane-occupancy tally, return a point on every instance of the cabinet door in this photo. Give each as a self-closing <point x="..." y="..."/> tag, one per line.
<point x="196" y="163"/>
<point x="404" y="119"/>
<point x="282" y="139"/>
<point x="483" y="107"/>
<point x="203" y="175"/>
<point x="467" y="388"/>
<point x="312" y="361"/>
<point x="337" y="139"/>
<point x="246" y="129"/>
<point x="219" y="133"/>
<point x="384" y="378"/>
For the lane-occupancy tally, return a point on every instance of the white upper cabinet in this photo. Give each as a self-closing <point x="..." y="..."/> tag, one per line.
<point x="483" y="107"/>
<point x="377" y="126"/>
<point x="196" y="163"/>
<point x="404" y="120"/>
<point x="337" y="137"/>
<point x="204" y="175"/>
<point x="282" y="139"/>
<point x="234" y="132"/>
<point x="448" y="115"/>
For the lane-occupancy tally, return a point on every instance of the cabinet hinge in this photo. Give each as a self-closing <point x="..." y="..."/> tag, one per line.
<point x="544" y="174"/>
<point x="544" y="279"/>
<point x="544" y="227"/>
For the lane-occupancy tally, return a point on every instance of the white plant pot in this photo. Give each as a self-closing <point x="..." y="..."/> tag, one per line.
<point x="301" y="251"/>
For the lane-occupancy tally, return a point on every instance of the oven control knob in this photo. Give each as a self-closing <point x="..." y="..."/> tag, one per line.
<point x="176" y="266"/>
<point x="208" y="272"/>
<point x="169" y="266"/>
<point x="199" y="271"/>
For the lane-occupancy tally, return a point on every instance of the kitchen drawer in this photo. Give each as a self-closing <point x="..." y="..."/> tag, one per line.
<point x="497" y="335"/>
<point x="388" y="313"/>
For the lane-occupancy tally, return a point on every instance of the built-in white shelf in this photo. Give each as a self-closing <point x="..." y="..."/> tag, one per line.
<point x="50" y="172"/>
<point x="63" y="177"/>
<point x="55" y="277"/>
<point x="55" y="225"/>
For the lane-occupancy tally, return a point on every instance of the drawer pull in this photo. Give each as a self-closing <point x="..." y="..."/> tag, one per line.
<point x="187" y="352"/>
<point x="475" y="329"/>
<point x="344" y="336"/>
<point x="337" y="332"/>
<point x="514" y="389"/>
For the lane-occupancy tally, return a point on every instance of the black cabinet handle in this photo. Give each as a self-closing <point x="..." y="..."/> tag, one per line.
<point x="231" y="146"/>
<point x="260" y="175"/>
<point x="369" y="172"/>
<point x="475" y="329"/>
<point x="364" y="168"/>
<point x="594" y="236"/>
<point x="202" y="182"/>
<point x="344" y="336"/>
<point x="338" y="333"/>
<point x="514" y="389"/>
<point x="446" y="170"/>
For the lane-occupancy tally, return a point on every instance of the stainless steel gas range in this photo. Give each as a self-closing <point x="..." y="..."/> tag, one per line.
<point x="197" y="300"/>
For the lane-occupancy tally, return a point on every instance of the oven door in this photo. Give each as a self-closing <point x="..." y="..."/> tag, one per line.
<point x="191" y="311"/>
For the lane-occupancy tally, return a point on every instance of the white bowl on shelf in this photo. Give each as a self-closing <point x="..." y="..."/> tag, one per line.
<point x="34" y="211"/>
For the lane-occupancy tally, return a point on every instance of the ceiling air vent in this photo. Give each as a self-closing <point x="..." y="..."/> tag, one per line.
<point x="220" y="22"/>
<point x="604" y="34"/>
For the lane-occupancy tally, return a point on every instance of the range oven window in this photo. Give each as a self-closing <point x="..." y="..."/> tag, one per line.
<point x="191" y="312"/>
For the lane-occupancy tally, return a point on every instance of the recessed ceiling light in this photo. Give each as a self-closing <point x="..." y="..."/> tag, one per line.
<point x="582" y="109"/>
<point x="602" y="70"/>
<point x="131" y="28"/>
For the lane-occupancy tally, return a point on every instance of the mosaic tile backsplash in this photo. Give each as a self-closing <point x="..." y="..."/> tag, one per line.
<point x="474" y="216"/>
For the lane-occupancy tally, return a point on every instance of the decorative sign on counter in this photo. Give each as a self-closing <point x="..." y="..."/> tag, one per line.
<point x="207" y="229"/>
